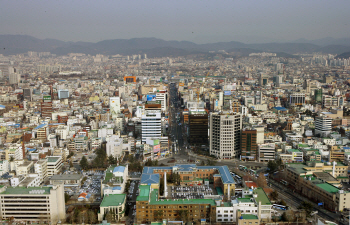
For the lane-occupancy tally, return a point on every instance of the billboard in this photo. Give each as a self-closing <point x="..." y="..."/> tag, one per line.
<point x="47" y="98"/>
<point x="151" y="97"/>
<point x="227" y="92"/>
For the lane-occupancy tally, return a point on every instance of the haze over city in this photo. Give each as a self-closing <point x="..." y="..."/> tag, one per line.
<point x="197" y="21"/>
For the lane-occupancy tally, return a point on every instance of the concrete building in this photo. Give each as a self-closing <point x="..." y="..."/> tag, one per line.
<point x="54" y="165"/>
<point x="114" y="146"/>
<point x="40" y="168"/>
<point x="249" y="144"/>
<point x="112" y="203"/>
<point x="34" y="204"/>
<point x="225" y="134"/>
<point x="198" y="127"/>
<point x="323" y="125"/>
<point x="114" y="106"/>
<point x="266" y="152"/>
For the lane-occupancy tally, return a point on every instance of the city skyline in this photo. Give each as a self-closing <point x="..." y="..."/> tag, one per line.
<point x="196" y="21"/>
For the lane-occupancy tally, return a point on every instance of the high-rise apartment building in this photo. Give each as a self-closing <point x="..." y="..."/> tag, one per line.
<point x="198" y="127"/>
<point x="225" y="134"/>
<point x="249" y="144"/>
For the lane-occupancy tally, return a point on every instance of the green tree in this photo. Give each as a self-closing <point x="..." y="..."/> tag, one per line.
<point x="91" y="217"/>
<point x="71" y="164"/>
<point x="182" y="215"/>
<point x="66" y="197"/>
<point x="111" y="160"/>
<point x="307" y="207"/>
<point x="272" y="166"/>
<point x="202" y="163"/>
<point x="84" y="164"/>
<point x="274" y="195"/>
<point x="12" y="159"/>
<point x="158" y="215"/>
<point x="109" y="216"/>
<point x="211" y="162"/>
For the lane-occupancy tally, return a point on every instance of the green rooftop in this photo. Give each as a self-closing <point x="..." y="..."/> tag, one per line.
<point x="262" y="197"/>
<point x="144" y="193"/>
<point x="113" y="200"/>
<point x="293" y="150"/>
<point x="25" y="190"/>
<point x="249" y="217"/>
<point x="219" y="191"/>
<point x="244" y="200"/>
<point x="328" y="187"/>
<point x="303" y="145"/>
<point x="52" y="159"/>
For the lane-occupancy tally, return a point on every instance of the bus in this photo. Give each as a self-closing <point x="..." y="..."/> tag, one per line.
<point x="241" y="167"/>
<point x="284" y="182"/>
<point x="280" y="207"/>
<point x="238" y="177"/>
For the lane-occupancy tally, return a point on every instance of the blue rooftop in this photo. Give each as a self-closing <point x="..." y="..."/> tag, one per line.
<point x="2" y="106"/>
<point x="280" y="108"/>
<point x="40" y="126"/>
<point x="224" y="172"/>
<point x="117" y="188"/>
<point x="150" y="178"/>
<point x="120" y="169"/>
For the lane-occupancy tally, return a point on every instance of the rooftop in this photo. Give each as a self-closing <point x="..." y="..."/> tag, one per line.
<point x="25" y="190"/>
<point x="154" y="200"/>
<point x="67" y="177"/>
<point x="144" y="193"/>
<point x="53" y="159"/>
<point x="249" y="217"/>
<point x="262" y="197"/>
<point x="328" y="187"/>
<point x="113" y="200"/>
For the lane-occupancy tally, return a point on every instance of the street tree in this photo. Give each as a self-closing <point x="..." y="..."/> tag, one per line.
<point x="84" y="164"/>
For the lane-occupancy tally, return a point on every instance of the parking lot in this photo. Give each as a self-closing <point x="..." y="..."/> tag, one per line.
<point x="92" y="185"/>
<point x="188" y="192"/>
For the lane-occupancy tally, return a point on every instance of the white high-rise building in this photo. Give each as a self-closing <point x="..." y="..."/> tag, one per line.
<point x="114" y="106"/>
<point x="14" y="78"/>
<point x="323" y="125"/>
<point x="151" y="125"/>
<point x="163" y="98"/>
<point x="114" y="146"/>
<point x="225" y="134"/>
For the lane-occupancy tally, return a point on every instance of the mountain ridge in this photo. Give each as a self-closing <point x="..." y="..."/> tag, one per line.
<point x="15" y="44"/>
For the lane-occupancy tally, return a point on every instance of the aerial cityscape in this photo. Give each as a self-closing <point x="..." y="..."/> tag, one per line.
<point x="240" y="128"/>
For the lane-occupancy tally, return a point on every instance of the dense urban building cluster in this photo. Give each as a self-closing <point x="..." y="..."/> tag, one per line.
<point x="174" y="140"/>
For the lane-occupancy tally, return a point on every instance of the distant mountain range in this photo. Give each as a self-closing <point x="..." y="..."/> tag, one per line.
<point x="153" y="47"/>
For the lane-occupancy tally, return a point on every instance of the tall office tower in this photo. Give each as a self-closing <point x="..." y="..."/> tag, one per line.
<point x="262" y="79"/>
<point x="225" y="134"/>
<point x="306" y="85"/>
<point x="62" y="94"/>
<point x="323" y="125"/>
<point x="249" y="144"/>
<point x="114" y="106"/>
<point x="318" y="95"/>
<point x="151" y="123"/>
<point x="198" y="127"/>
<point x="28" y="94"/>
<point x="278" y="79"/>
<point x="163" y="97"/>
<point x="297" y="99"/>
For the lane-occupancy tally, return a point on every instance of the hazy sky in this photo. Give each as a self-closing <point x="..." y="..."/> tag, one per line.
<point x="197" y="20"/>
